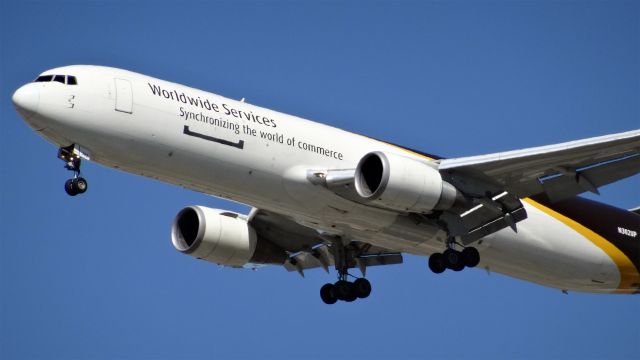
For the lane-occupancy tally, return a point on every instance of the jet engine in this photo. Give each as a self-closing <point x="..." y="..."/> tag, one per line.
<point x="222" y="237"/>
<point x="401" y="183"/>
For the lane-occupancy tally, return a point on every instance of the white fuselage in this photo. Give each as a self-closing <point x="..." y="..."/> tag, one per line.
<point x="261" y="157"/>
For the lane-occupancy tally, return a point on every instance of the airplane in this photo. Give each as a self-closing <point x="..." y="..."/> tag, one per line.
<point x="322" y="197"/>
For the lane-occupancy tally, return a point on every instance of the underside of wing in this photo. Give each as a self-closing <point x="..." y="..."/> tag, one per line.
<point x="308" y="248"/>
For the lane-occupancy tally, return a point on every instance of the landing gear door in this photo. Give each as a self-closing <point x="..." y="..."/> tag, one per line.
<point x="124" y="96"/>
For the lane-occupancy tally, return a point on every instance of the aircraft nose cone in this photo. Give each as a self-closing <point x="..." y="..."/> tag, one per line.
<point x="26" y="100"/>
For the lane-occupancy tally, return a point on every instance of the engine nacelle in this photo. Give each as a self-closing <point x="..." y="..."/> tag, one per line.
<point x="401" y="183"/>
<point x="222" y="237"/>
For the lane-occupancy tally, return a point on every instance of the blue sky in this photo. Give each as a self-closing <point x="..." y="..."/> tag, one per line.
<point x="95" y="277"/>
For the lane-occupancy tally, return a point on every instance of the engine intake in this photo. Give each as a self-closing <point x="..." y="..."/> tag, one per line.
<point x="404" y="184"/>
<point x="221" y="237"/>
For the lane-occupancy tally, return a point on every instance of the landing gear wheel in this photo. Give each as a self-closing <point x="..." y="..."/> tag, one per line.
<point x="75" y="186"/>
<point x="362" y="288"/>
<point x="80" y="184"/>
<point x="327" y="294"/>
<point x="343" y="290"/>
<point x="437" y="264"/>
<point x="352" y="294"/>
<point x="69" y="188"/>
<point x="453" y="260"/>
<point x="470" y="257"/>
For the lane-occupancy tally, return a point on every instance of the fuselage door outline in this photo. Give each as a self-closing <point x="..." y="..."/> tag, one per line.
<point x="124" y="96"/>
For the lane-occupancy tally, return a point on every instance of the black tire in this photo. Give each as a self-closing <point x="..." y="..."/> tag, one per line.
<point x="362" y="288"/>
<point x="470" y="257"/>
<point x="69" y="188"/>
<point x="343" y="290"/>
<point x="437" y="264"/>
<point x="80" y="185"/>
<point x="327" y="294"/>
<point x="352" y="295"/>
<point x="458" y="267"/>
<point x="453" y="260"/>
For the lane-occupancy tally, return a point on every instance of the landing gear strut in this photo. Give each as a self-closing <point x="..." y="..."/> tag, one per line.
<point x="453" y="259"/>
<point x="77" y="184"/>
<point x="343" y="289"/>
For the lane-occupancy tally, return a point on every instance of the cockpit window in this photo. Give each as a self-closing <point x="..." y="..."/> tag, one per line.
<point x="44" y="78"/>
<point x="63" y="79"/>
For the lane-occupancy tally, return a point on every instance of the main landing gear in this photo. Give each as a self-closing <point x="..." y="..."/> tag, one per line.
<point x="343" y="289"/>
<point x="454" y="259"/>
<point x="77" y="184"/>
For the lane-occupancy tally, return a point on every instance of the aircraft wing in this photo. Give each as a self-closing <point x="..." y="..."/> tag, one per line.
<point x="497" y="182"/>
<point x="308" y="248"/>
<point x="561" y="170"/>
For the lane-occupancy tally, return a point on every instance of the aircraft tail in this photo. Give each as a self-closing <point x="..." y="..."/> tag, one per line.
<point x="635" y="210"/>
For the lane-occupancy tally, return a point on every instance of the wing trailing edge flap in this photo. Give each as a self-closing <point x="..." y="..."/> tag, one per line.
<point x="488" y="208"/>
<point x="491" y="214"/>
<point x="590" y="178"/>
<point x="308" y="249"/>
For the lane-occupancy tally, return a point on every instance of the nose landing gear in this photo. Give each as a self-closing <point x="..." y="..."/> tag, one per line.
<point x="77" y="184"/>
